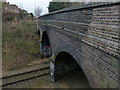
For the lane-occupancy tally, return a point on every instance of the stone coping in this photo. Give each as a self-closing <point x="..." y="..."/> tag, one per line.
<point x="90" y="5"/>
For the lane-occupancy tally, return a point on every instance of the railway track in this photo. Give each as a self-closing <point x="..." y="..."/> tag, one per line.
<point x="24" y="76"/>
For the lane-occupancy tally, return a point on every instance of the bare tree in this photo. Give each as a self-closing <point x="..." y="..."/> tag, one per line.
<point x="20" y="5"/>
<point x="37" y="11"/>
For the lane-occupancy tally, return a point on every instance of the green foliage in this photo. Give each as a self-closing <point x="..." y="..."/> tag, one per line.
<point x="31" y="15"/>
<point x="53" y="6"/>
<point x="9" y="17"/>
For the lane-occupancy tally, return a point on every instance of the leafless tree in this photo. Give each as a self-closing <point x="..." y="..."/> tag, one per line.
<point x="20" y="5"/>
<point x="37" y="11"/>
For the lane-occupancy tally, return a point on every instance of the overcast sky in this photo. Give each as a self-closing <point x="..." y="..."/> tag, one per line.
<point x="29" y="5"/>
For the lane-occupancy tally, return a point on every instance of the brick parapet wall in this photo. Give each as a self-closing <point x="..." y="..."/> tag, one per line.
<point x="99" y="26"/>
<point x="93" y="41"/>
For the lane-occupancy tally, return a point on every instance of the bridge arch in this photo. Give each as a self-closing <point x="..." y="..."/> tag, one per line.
<point x="65" y="65"/>
<point x="45" y="45"/>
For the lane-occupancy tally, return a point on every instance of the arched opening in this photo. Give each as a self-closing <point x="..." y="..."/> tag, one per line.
<point x="67" y="69"/>
<point x="45" y="45"/>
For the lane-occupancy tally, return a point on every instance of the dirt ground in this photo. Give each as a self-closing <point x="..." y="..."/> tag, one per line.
<point x="76" y="80"/>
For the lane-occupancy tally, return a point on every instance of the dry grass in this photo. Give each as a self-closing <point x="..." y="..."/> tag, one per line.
<point x="20" y="44"/>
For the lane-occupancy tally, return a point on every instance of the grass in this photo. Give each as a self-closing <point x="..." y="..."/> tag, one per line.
<point x="0" y="5"/>
<point x="20" y="44"/>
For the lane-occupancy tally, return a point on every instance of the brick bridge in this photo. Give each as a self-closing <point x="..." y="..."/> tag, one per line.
<point x="88" y="36"/>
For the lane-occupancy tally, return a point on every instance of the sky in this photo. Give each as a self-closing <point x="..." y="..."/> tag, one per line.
<point x="29" y="5"/>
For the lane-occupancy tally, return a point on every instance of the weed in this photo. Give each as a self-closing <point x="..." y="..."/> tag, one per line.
<point x="20" y="44"/>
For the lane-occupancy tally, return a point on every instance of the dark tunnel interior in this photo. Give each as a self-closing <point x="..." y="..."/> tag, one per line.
<point x="46" y="48"/>
<point x="67" y="66"/>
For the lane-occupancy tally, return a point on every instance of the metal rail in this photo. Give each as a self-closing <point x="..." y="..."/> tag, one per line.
<point x="24" y="78"/>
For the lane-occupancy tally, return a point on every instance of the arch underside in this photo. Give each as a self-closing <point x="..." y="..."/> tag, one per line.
<point x="65" y="65"/>
<point x="45" y="45"/>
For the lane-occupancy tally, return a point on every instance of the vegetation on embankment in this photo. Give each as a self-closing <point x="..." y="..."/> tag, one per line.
<point x="0" y="5"/>
<point x="20" y="44"/>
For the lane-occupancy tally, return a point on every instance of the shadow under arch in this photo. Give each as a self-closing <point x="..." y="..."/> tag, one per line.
<point x="45" y="46"/>
<point x="66" y="65"/>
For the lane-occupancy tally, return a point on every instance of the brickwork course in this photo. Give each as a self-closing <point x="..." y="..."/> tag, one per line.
<point x="89" y="33"/>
